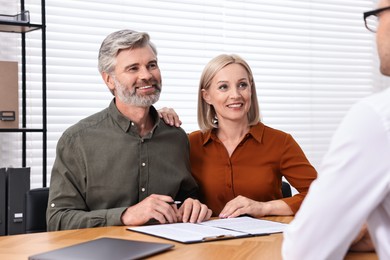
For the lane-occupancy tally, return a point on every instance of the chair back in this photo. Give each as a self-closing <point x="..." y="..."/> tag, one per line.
<point x="286" y="189"/>
<point x="35" y="210"/>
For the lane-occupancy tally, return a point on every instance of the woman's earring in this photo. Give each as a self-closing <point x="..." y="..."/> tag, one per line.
<point x="215" y="120"/>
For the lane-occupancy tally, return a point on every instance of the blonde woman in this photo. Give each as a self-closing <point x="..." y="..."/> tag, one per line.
<point x="238" y="161"/>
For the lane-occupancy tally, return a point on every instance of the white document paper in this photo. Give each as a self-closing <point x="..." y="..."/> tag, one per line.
<point x="247" y="224"/>
<point x="212" y="230"/>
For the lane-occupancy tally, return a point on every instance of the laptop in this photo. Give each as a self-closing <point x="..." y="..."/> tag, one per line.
<point x="105" y="248"/>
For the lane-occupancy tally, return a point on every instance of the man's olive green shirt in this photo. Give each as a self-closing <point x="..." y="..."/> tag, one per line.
<point x="103" y="166"/>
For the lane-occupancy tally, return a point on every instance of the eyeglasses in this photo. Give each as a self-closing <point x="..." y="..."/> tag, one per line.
<point x="371" y="18"/>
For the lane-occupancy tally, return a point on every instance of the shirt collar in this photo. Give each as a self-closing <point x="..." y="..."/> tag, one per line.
<point x="255" y="131"/>
<point x="123" y="122"/>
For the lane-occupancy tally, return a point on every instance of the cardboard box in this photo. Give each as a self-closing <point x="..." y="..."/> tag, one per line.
<point x="9" y="95"/>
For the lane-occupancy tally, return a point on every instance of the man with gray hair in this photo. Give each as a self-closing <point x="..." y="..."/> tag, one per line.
<point x="123" y="165"/>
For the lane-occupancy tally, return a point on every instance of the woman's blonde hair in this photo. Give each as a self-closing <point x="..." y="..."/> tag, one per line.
<point x="206" y="112"/>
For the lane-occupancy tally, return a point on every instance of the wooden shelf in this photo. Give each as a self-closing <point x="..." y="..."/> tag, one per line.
<point x="20" y="24"/>
<point x="18" y="27"/>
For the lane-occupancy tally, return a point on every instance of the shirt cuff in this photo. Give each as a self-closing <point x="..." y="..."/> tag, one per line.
<point x="114" y="216"/>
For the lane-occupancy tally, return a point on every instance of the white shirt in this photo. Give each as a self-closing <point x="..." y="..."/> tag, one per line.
<point x="353" y="186"/>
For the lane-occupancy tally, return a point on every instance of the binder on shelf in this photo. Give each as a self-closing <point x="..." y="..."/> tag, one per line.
<point x="18" y="184"/>
<point x="3" y="205"/>
<point x="9" y="97"/>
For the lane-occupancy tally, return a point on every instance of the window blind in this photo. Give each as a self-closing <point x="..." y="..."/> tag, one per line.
<point x="311" y="60"/>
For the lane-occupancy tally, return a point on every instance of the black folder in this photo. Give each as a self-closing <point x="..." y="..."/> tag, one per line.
<point x="18" y="185"/>
<point x="105" y="248"/>
<point x="3" y="200"/>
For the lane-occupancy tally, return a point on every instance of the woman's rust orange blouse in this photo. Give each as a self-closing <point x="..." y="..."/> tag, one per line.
<point x="254" y="170"/>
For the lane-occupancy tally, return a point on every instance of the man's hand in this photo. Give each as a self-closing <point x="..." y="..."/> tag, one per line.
<point x="153" y="207"/>
<point x="362" y="242"/>
<point x="193" y="211"/>
<point x="169" y="116"/>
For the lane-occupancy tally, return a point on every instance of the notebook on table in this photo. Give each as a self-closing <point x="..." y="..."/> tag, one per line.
<point x="105" y="248"/>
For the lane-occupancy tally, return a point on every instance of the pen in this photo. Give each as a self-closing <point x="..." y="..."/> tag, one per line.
<point x="220" y="237"/>
<point x="174" y="202"/>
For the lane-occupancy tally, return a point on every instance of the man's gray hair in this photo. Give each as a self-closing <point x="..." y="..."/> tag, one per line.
<point x="116" y="41"/>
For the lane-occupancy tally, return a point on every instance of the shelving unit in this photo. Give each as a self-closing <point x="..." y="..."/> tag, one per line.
<point x="23" y="27"/>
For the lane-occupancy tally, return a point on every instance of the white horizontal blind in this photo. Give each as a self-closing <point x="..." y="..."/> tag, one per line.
<point x="311" y="59"/>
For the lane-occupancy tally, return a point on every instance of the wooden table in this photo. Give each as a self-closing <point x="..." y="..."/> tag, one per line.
<point x="262" y="247"/>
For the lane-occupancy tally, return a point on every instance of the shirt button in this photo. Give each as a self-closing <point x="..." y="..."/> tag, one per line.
<point x="132" y="123"/>
<point x="143" y="189"/>
<point x="143" y="164"/>
<point x="52" y="205"/>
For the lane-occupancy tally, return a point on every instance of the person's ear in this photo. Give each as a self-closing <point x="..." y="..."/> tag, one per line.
<point x="109" y="80"/>
<point x="206" y="96"/>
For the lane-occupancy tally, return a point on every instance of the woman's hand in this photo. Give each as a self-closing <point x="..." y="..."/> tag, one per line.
<point x="169" y="116"/>
<point x="242" y="205"/>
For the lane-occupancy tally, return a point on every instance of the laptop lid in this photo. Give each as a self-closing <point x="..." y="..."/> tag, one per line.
<point x="105" y="248"/>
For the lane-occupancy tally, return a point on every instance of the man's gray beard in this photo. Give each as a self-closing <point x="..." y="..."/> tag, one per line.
<point x="131" y="98"/>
